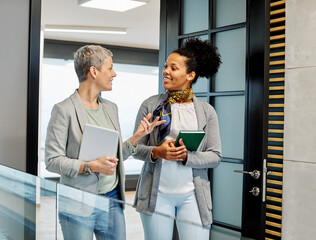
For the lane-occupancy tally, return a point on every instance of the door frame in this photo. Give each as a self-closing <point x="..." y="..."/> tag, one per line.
<point x="256" y="123"/>
<point x="33" y="87"/>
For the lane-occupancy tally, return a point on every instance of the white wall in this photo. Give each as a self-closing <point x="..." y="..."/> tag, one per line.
<point x="14" y="31"/>
<point x="299" y="187"/>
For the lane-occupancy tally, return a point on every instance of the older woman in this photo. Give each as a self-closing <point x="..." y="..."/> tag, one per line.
<point x="175" y="181"/>
<point x="105" y="175"/>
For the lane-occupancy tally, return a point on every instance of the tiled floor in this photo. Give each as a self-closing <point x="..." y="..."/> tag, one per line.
<point x="134" y="229"/>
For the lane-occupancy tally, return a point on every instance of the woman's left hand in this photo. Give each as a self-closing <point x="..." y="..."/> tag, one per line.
<point x="145" y="127"/>
<point x="184" y="155"/>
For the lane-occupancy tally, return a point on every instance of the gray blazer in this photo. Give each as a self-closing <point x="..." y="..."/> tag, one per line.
<point x="207" y="156"/>
<point x="64" y="134"/>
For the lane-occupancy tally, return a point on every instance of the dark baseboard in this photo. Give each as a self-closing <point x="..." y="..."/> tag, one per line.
<point x="131" y="182"/>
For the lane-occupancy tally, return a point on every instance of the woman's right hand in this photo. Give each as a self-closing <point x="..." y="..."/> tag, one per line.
<point x="145" y="127"/>
<point x="104" y="165"/>
<point x="168" y="151"/>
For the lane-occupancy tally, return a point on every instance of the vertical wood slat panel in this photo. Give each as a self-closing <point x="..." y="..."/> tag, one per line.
<point x="275" y="120"/>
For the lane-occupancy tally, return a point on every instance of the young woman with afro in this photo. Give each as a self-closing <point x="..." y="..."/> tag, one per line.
<point x="174" y="181"/>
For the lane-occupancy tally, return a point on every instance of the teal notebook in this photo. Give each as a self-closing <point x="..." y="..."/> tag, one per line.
<point x="191" y="139"/>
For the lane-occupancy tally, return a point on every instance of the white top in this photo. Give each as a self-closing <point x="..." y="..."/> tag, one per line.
<point x="175" y="178"/>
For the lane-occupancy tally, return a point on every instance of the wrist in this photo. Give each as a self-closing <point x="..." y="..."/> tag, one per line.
<point x="134" y="140"/>
<point x="92" y="166"/>
<point x="81" y="169"/>
<point x="154" y="153"/>
<point x="184" y="162"/>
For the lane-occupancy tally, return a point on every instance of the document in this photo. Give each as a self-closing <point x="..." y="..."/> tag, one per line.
<point x="191" y="139"/>
<point x="98" y="142"/>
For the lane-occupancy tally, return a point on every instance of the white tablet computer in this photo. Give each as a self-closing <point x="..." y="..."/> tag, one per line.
<point x="98" y="142"/>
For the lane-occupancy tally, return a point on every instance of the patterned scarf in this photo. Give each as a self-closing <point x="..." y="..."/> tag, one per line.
<point x="164" y="109"/>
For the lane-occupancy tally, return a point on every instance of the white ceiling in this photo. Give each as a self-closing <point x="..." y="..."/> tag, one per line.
<point x="142" y="23"/>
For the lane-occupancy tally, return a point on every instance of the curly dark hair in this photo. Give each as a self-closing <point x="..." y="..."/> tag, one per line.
<point x="202" y="57"/>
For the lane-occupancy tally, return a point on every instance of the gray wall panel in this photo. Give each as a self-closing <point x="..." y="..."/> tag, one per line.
<point x="14" y="45"/>
<point x="299" y="188"/>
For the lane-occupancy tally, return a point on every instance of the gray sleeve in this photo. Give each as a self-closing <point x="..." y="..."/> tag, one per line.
<point x="209" y="153"/>
<point x="55" y="145"/>
<point x="126" y="150"/>
<point x="131" y="148"/>
<point x="143" y="149"/>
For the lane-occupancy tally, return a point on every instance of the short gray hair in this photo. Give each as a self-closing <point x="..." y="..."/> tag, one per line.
<point x="88" y="56"/>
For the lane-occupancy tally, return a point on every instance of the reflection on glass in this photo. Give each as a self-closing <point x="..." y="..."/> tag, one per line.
<point x="230" y="111"/>
<point x="194" y="15"/>
<point x="227" y="193"/>
<point x="232" y="72"/>
<point x="17" y="204"/>
<point x="33" y="208"/>
<point x="46" y="210"/>
<point x="229" y="12"/>
<point x="27" y="206"/>
<point x="82" y="214"/>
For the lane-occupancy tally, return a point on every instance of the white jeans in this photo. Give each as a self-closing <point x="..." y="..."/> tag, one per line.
<point x="160" y="227"/>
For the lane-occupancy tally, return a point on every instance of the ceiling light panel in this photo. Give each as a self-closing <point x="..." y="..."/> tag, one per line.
<point x="84" y="29"/>
<point x="112" y="5"/>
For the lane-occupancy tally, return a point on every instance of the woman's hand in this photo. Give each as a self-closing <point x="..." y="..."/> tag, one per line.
<point x="145" y="127"/>
<point x="104" y="165"/>
<point x="168" y="151"/>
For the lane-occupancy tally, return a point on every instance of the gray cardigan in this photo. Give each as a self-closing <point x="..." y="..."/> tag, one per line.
<point x="64" y="134"/>
<point x="207" y="156"/>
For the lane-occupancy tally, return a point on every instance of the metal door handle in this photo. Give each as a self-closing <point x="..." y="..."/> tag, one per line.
<point x="255" y="191"/>
<point x="264" y="179"/>
<point x="255" y="174"/>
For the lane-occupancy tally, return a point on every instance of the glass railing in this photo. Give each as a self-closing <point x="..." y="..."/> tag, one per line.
<point x="37" y="208"/>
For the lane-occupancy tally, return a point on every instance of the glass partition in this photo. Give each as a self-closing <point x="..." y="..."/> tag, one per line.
<point x="226" y="186"/>
<point x="232" y="73"/>
<point x="201" y="85"/>
<point x="27" y="206"/>
<point x="204" y="99"/>
<point x="231" y="111"/>
<point x="37" y="208"/>
<point x="229" y="12"/>
<point x="199" y="10"/>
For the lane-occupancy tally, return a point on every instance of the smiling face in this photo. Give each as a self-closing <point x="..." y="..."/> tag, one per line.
<point x="175" y="76"/>
<point x="105" y="75"/>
